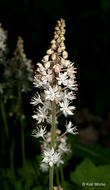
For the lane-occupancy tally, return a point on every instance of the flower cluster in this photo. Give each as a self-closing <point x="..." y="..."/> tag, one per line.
<point x="3" y="63"/>
<point x="3" y="38"/>
<point x="20" y="68"/>
<point x="14" y="72"/>
<point x="55" y="77"/>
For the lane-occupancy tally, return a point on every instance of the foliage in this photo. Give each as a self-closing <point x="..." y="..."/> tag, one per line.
<point x="88" y="173"/>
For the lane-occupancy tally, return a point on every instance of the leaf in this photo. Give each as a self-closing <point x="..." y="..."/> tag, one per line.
<point x="88" y="173"/>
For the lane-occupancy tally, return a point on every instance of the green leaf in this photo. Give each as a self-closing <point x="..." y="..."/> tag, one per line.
<point x="90" y="174"/>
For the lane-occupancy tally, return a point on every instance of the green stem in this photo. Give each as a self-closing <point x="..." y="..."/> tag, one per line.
<point x="51" y="170"/>
<point x="3" y="113"/>
<point x="23" y="144"/>
<point x="57" y="177"/>
<point x="12" y="161"/>
<point x="53" y="124"/>
<point x="7" y="136"/>
<point x="22" y="125"/>
<point x="62" y="176"/>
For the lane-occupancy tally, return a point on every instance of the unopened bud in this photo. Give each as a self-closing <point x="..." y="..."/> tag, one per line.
<point x="58" y="40"/>
<point x="65" y="54"/>
<point x="56" y="28"/>
<point x="47" y="65"/>
<point x="45" y="58"/>
<point x="62" y="38"/>
<point x="67" y="63"/>
<point x="62" y="61"/>
<point x="49" y="52"/>
<point x="59" y="50"/>
<point x="53" y="56"/>
<point x="53" y="42"/>
<point x="56" y="36"/>
<point x="63" y="47"/>
<point x="58" y="131"/>
<point x="62" y="44"/>
<point x="57" y="68"/>
<point x="58" y="32"/>
<point x="53" y="46"/>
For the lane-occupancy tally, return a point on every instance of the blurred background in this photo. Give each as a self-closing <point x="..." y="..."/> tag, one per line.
<point x="87" y="42"/>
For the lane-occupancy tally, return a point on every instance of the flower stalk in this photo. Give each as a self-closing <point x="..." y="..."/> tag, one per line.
<point x="4" y="117"/>
<point x="53" y="129"/>
<point x="55" y="77"/>
<point x="22" y="125"/>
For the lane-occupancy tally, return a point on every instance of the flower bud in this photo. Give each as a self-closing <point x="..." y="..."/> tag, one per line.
<point x="53" y="46"/>
<point x="58" y="40"/>
<point x="62" y="38"/>
<point x="63" y="47"/>
<point x="58" y="32"/>
<point x="57" y="68"/>
<point x="62" y="44"/>
<point x="62" y="61"/>
<point x="56" y="28"/>
<point x="67" y="63"/>
<point x="49" y="52"/>
<point x="58" y="131"/>
<point x="59" y="50"/>
<point x="53" y="56"/>
<point x="56" y="36"/>
<point x="45" y="58"/>
<point x="53" y="42"/>
<point x="47" y="65"/>
<point x="65" y="54"/>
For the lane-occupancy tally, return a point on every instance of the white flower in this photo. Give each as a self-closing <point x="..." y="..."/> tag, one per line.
<point x="68" y="95"/>
<point x="52" y="93"/>
<point x="44" y="167"/>
<point x="62" y="78"/>
<point x="39" y="132"/>
<point x="66" y="108"/>
<point x="71" y="129"/>
<point x="60" y="162"/>
<point x="70" y="84"/>
<point x="41" y="68"/>
<point x="63" y="148"/>
<point x="3" y="38"/>
<point x="49" y="119"/>
<point x="41" y="115"/>
<point x="50" y="157"/>
<point x="36" y="99"/>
